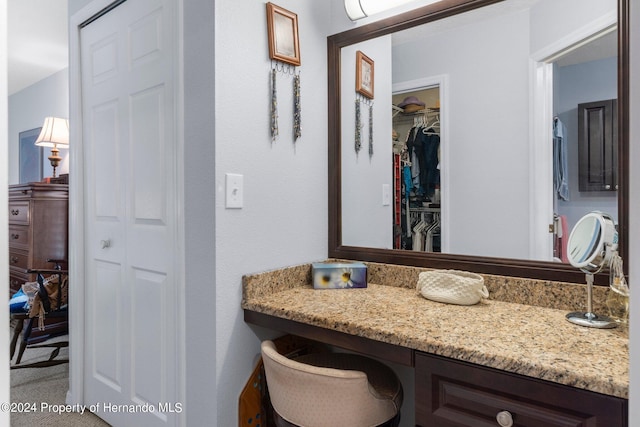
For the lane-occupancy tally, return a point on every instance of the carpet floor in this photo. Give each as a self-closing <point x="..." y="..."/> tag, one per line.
<point x="38" y="394"/>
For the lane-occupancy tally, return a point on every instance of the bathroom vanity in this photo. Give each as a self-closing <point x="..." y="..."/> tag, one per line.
<point x="491" y="364"/>
<point x="513" y="359"/>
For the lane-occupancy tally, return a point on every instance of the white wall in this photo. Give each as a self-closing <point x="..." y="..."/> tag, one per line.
<point x="27" y="110"/>
<point x="284" y="219"/>
<point x="365" y="221"/>
<point x="488" y="123"/>
<point x="554" y="20"/>
<point x="201" y="352"/>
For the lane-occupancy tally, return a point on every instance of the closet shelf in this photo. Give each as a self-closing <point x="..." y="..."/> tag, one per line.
<point x="397" y="111"/>
<point x="433" y="207"/>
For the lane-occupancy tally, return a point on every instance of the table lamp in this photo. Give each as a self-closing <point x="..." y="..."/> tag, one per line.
<point x="54" y="134"/>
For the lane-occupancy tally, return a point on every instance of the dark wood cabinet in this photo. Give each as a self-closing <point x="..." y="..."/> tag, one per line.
<point x="38" y="228"/>
<point x="451" y="393"/>
<point x="598" y="146"/>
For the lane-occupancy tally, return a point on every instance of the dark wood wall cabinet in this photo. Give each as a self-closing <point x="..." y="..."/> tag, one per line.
<point x="38" y="229"/>
<point x="598" y="146"/>
<point x="451" y="393"/>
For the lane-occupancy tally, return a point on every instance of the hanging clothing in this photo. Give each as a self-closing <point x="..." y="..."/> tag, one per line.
<point x="431" y="180"/>
<point x="406" y="174"/>
<point x="426" y="144"/>
<point x="560" y="167"/>
<point x="423" y="148"/>
<point x="414" y="150"/>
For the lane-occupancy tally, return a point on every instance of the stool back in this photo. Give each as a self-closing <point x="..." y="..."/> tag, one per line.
<point x="312" y="396"/>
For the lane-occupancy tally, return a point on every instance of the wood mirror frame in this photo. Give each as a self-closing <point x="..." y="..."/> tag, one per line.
<point x="488" y="265"/>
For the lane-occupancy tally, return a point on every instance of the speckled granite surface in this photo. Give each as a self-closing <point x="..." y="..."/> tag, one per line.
<point x="524" y="338"/>
<point x="542" y="293"/>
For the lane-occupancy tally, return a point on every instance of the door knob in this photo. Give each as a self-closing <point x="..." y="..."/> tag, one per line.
<point x="105" y="243"/>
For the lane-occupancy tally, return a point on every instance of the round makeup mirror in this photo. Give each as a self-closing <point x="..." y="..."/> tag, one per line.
<point x="592" y="243"/>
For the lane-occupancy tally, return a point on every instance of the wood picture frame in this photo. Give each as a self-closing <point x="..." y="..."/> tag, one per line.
<point x="284" y="43"/>
<point x="364" y="75"/>
<point x="30" y="157"/>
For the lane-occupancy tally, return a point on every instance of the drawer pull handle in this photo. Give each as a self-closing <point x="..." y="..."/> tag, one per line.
<point x="15" y="236"/>
<point x="14" y="259"/>
<point x="15" y="212"/>
<point x="504" y="419"/>
<point x="104" y="244"/>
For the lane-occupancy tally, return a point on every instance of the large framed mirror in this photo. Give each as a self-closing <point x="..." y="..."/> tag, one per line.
<point x="496" y="67"/>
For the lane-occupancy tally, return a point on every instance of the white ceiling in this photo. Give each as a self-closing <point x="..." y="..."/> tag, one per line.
<point x="604" y="46"/>
<point x="38" y="44"/>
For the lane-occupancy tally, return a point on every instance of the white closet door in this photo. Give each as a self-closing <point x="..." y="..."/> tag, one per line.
<point x="128" y="116"/>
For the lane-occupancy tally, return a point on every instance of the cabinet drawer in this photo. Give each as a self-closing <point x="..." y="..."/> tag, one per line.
<point x="452" y="394"/>
<point x="17" y="278"/>
<point x="15" y="283"/>
<point x="19" y="236"/>
<point x="19" y="212"/>
<point x="19" y="259"/>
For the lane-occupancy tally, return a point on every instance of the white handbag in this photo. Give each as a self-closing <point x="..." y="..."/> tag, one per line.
<point x="452" y="286"/>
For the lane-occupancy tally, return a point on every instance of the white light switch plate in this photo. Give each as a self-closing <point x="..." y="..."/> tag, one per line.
<point x="386" y="194"/>
<point x="234" y="191"/>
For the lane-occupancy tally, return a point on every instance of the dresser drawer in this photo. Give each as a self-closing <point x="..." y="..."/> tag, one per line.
<point x="19" y="236"/>
<point x="19" y="212"/>
<point x="15" y="283"/>
<point x="456" y="394"/>
<point x="18" y="259"/>
<point x="17" y="279"/>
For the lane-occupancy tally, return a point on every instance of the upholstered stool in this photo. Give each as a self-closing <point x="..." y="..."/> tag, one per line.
<point x="331" y="389"/>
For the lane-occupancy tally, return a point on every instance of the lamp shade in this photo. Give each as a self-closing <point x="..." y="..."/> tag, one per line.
<point x="358" y="9"/>
<point x="54" y="133"/>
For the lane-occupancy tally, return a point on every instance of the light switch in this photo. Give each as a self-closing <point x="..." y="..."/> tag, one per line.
<point x="234" y="191"/>
<point x="386" y="194"/>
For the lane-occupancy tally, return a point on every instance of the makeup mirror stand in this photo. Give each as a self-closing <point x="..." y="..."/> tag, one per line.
<point x="592" y="244"/>
<point x="589" y="318"/>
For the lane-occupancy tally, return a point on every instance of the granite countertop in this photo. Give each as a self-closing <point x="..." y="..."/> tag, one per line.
<point x="529" y="340"/>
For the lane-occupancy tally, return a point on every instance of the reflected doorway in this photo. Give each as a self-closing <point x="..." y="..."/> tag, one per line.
<point x="417" y="155"/>
<point x="577" y="70"/>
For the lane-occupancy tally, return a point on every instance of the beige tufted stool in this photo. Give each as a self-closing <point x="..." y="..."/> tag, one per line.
<point x="331" y="389"/>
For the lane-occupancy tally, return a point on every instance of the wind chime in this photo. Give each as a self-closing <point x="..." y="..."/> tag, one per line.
<point x="364" y="95"/>
<point x="284" y="51"/>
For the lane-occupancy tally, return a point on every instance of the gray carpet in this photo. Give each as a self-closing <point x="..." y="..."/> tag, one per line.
<point x="31" y="387"/>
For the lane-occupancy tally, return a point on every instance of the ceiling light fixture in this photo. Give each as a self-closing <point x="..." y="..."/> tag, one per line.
<point x="358" y="9"/>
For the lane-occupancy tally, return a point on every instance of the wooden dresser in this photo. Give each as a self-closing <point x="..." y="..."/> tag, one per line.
<point x="38" y="228"/>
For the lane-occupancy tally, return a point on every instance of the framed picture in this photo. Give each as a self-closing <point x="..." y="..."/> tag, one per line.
<point x="30" y="156"/>
<point x="283" y="35"/>
<point x="364" y="75"/>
